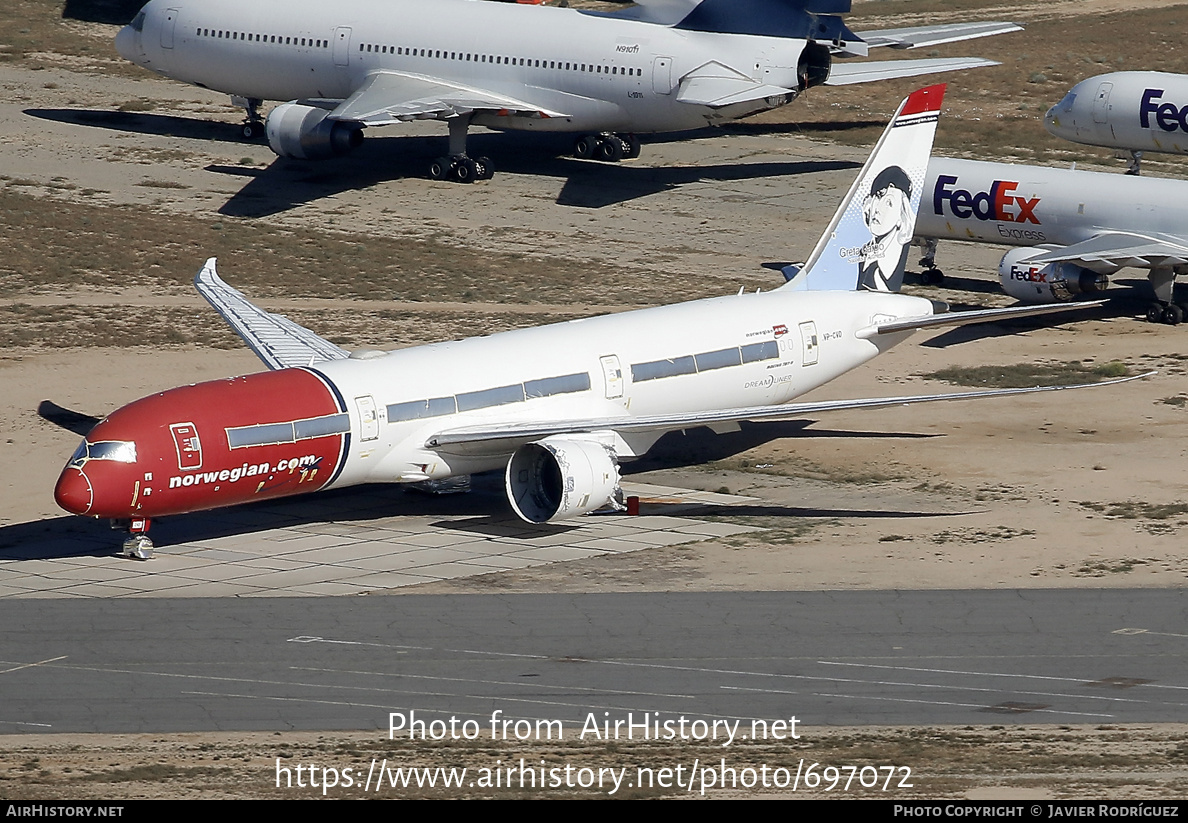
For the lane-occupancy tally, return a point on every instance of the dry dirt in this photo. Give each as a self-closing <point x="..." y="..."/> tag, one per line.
<point x="108" y="213"/>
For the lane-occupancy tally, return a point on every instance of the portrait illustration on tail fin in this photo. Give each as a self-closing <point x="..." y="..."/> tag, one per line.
<point x="888" y="214"/>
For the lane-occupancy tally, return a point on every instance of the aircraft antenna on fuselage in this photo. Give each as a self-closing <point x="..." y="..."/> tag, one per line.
<point x="866" y="243"/>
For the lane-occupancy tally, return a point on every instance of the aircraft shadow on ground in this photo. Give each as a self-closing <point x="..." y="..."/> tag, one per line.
<point x="77" y="422"/>
<point x="484" y="510"/>
<point x="115" y="12"/>
<point x="287" y="183"/>
<point x="162" y="125"/>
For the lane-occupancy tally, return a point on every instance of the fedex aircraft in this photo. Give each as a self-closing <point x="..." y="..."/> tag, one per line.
<point x="659" y="66"/>
<point x="1073" y="228"/>
<point x="1133" y="110"/>
<point x="555" y="407"/>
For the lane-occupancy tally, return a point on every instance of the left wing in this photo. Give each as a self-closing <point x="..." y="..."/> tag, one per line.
<point x="393" y="96"/>
<point x="1107" y="252"/>
<point x="922" y="36"/>
<point x="275" y="339"/>
<point x="505" y="435"/>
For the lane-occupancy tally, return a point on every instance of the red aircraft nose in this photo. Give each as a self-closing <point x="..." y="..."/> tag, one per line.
<point x="73" y="492"/>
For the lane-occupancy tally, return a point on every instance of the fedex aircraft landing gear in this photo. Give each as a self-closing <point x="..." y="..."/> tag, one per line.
<point x="1135" y="166"/>
<point x="610" y="148"/>
<point x="137" y="545"/>
<point x="458" y="165"/>
<point x="253" y="126"/>
<point x="931" y="275"/>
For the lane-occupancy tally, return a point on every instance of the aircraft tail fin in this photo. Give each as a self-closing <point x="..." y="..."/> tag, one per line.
<point x="866" y="244"/>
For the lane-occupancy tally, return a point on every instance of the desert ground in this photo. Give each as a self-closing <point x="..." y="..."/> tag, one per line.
<point x="115" y="185"/>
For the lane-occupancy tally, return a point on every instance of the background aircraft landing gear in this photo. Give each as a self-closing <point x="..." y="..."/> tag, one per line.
<point x="931" y="275"/>
<point x="610" y="148"/>
<point x="461" y="169"/>
<point x="137" y="545"/>
<point x="1170" y="314"/>
<point x="253" y="126"/>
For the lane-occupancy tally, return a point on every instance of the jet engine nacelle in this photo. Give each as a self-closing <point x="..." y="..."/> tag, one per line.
<point x="1046" y="283"/>
<point x="553" y="479"/>
<point x="303" y="132"/>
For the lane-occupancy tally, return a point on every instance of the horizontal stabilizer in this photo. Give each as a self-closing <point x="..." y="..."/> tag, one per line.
<point x="1107" y="252"/>
<point x="963" y="318"/>
<point x="848" y="74"/>
<point x="474" y="438"/>
<point x="275" y="339"/>
<point x="921" y="36"/>
<point x="392" y="96"/>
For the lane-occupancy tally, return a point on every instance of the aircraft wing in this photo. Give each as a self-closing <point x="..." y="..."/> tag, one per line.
<point x="847" y="74"/>
<point x="921" y="36"/>
<point x="275" y="339"/>
<point x="962" y="318"/>
<point x="1107" y="252"/>
<point x="497" y="437"/>
<point x="393" y="96"/>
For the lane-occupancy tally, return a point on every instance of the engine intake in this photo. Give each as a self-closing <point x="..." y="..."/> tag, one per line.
<point x="304" y="132"/>
<point x="814" y="65"/>
<point x="1048" y="283"/>
<point x="554" y="479"/>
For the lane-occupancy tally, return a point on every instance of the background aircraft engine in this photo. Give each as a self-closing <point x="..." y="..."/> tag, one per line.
<point x="303" y="132"/>
<point x="553" y="479"/>
<point x="1046" y="283"/>
<point x="813" y="66"/>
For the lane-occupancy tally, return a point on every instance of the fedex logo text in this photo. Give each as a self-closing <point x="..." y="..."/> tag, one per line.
<point x="1029" y="274"/>
<point x="1167" y="115"/>
<point x="996" y="204"/>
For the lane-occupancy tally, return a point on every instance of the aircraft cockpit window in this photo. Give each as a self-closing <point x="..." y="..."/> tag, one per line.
<point x="117" y="451"/>
<point x="1066" y="103"/>
<point x="137" y="23"/>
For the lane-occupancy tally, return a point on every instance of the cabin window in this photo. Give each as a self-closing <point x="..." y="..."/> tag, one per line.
<point x="663" y="368"/>
<point x="419" y="409"/>
<point x="498" y="396"/>
<point x="724" y="358"/>
<point x="761" y="351"/>
<point x="549" y="386"/>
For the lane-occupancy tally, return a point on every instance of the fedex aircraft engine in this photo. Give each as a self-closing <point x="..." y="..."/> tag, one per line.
<point x="1046" y="283"/>
<point x="553" y="479"/>
<point x="304" y="133"/>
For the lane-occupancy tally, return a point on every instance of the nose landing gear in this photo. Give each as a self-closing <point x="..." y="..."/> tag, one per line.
<point x="137" y="545"/>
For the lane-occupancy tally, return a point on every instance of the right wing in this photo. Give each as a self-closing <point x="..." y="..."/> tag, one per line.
<point x="392" y="96"/>
<point x="275" y="339"/>
<point x="499" y="437"/>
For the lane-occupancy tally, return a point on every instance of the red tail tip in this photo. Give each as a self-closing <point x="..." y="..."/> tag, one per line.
<point x="925" y="100"/>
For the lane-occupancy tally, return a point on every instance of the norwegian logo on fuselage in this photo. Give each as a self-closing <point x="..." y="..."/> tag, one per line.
<point x="997" y="204"/>
<point x="1168" y="116"/>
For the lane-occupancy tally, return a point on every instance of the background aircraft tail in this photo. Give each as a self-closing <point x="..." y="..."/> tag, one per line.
<point x="866" y="244"/>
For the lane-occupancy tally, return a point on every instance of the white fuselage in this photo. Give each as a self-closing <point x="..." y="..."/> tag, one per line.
<point x="746" y="350"/>
<point x="603" y="73"/>
<point x="1015" y="205"/>
<point x="1135" y="110"/>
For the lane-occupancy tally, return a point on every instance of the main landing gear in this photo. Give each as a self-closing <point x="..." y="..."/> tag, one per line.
<point x="608" y="147"/>
<point x="137" y="545"/>
<point x="1135" y="165"/>
<point x="253" y="126"/>
<point x="1165" y="310"/>
<point x="931" y="276"/>
<point x="458" y="166"/>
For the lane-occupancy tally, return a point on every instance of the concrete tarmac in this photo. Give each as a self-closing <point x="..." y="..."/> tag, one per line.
<point x="827" y="658"/>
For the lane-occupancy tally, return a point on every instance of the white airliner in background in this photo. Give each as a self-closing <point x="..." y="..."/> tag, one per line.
<point x="556" y="407"/>
<point x="1133" y="110"/>
<point x="1075" y="227"/>
<point x="659" y="66"/>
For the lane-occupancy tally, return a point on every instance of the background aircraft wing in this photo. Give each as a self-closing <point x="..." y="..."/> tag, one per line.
<point x="499" y="437"/>
<point x="933" y="35"/>
<point x="1107" y="252"/>
<point x="392" y="96"/>
<point x="275" y="339"/>
<point x="847" y="74"/>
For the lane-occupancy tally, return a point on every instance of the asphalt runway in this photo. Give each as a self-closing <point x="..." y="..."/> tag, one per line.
<point x="827" y="658"/>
